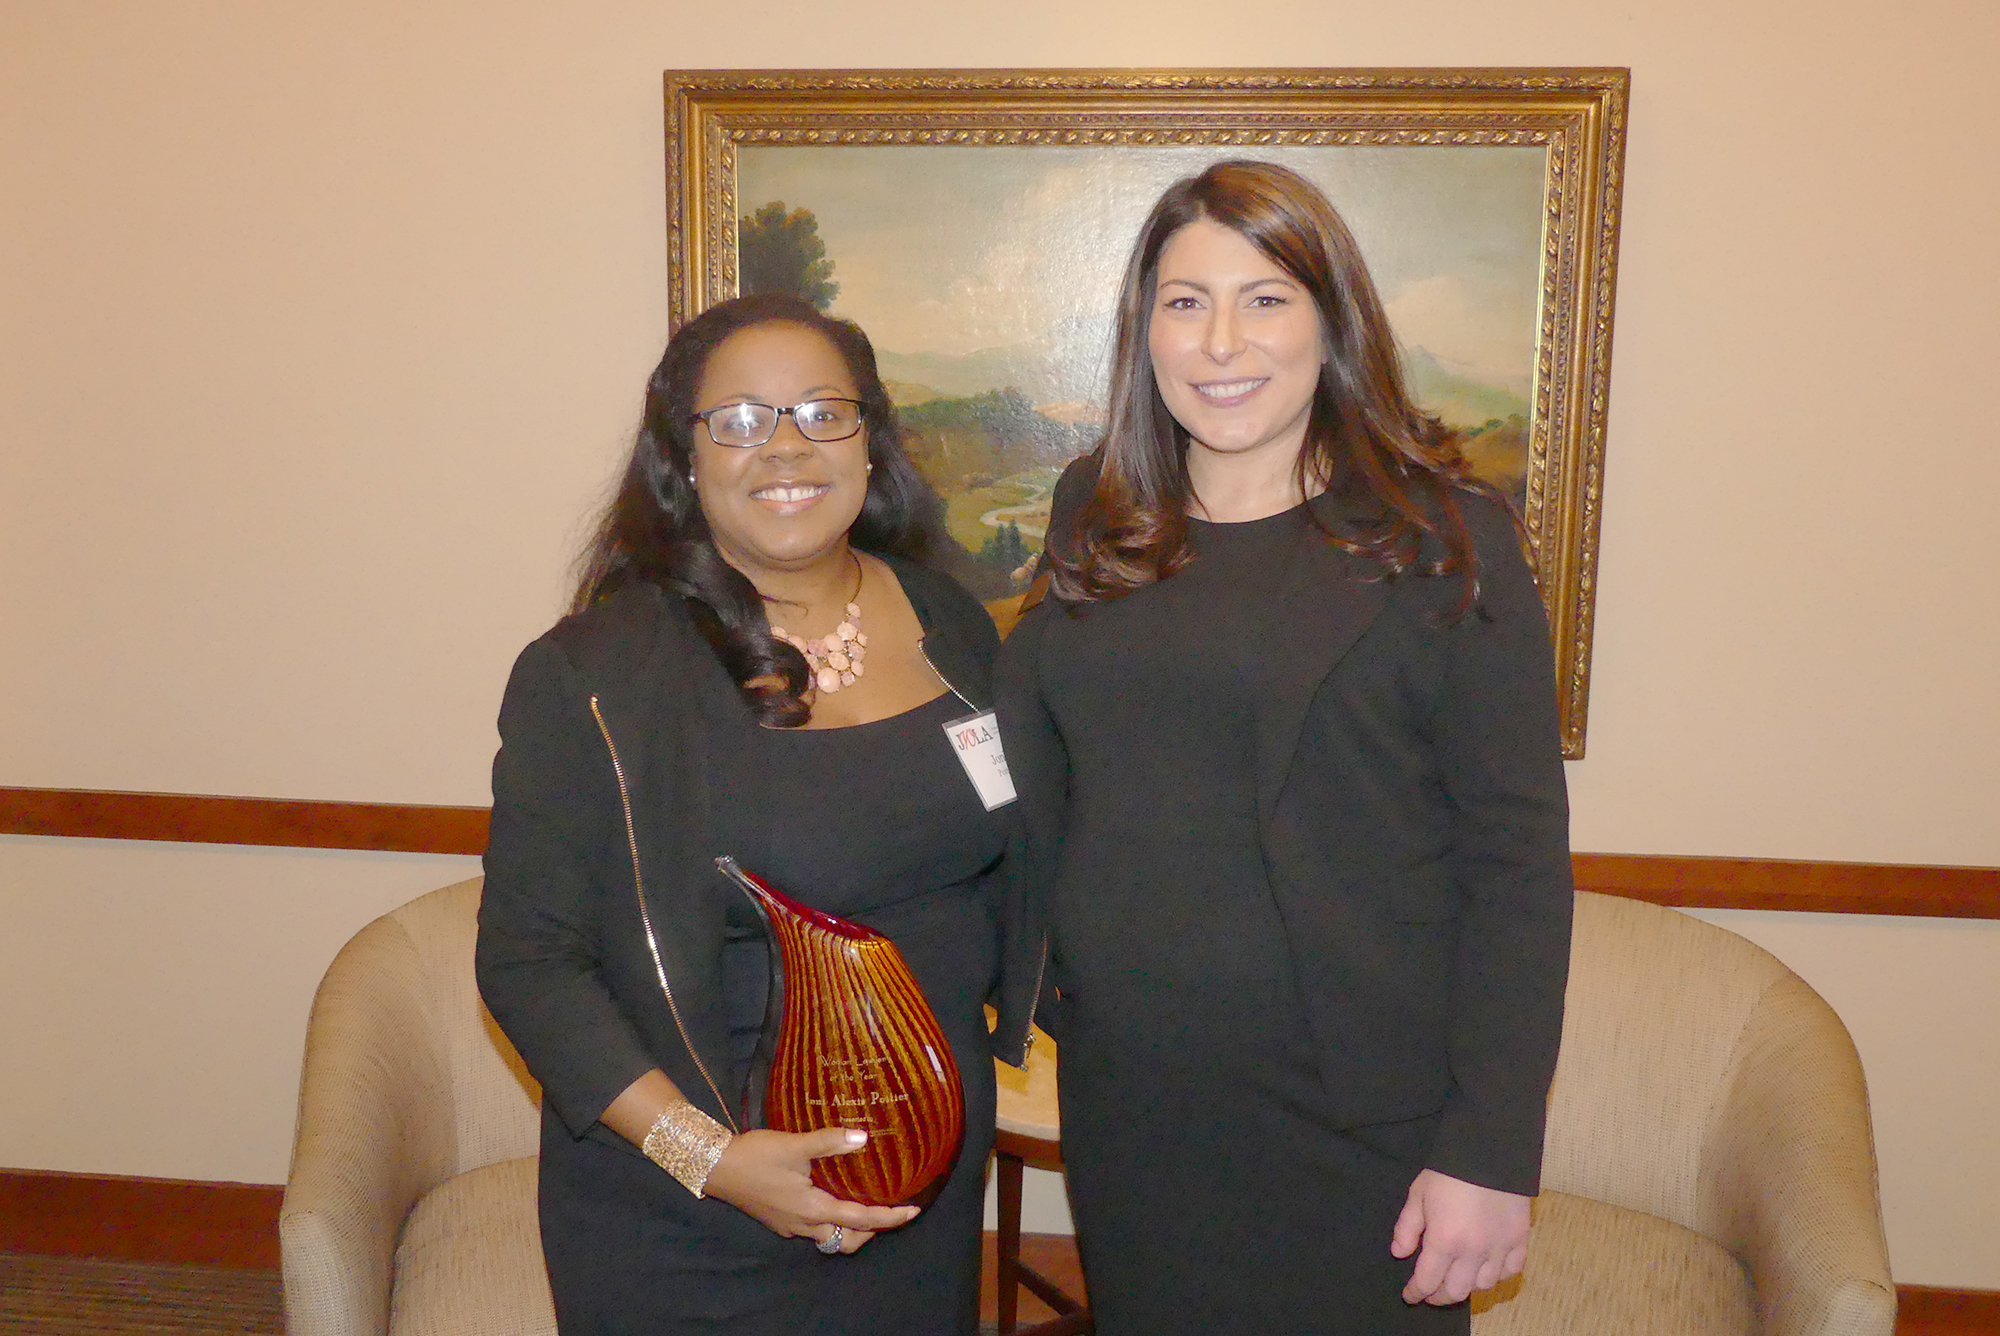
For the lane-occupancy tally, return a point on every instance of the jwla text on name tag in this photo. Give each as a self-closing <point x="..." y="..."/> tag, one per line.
<point x="976" y="740"/>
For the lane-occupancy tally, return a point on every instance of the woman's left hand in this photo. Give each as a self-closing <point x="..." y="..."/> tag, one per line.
<point x="1473" y="1238"/>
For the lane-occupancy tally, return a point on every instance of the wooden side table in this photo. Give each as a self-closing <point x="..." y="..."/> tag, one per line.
<point x="1029" y="1135"/>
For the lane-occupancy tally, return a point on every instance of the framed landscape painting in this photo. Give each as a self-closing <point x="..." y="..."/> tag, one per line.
<point x="975" y="224"/>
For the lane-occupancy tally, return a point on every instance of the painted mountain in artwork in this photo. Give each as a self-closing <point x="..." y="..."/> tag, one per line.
<point x="1457" y="394"/>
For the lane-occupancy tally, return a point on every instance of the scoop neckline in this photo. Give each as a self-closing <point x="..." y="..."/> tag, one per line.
<point x="1239" y="524"/>
<point x="866" y="723"/>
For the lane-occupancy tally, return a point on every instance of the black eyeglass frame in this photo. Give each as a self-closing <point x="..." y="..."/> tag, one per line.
<point x="778" y="415"/>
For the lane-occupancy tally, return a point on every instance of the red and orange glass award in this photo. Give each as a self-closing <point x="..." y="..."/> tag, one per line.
<point x="857" y="1046"/>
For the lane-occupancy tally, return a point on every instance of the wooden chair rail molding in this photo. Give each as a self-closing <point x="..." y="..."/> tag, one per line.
<point x="195" y="818"/>
<point x="1692" y="883"/>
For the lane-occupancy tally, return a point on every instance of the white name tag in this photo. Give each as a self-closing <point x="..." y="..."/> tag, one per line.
<point x="976" y="739"/>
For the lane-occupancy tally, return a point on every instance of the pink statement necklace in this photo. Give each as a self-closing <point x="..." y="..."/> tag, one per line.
<point x="834" y="660"/>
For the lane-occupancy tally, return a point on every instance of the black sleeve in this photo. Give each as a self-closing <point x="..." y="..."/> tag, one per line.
<point x="540" y="951"/>
<point x="1039" y="764"/>
<point x="1500" y="754"/>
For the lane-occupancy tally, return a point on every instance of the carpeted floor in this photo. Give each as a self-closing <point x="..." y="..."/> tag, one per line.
<point x="76" y="1296"/>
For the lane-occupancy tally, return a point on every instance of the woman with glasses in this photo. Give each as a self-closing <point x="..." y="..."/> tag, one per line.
<point x="759" y="663"/>
<point x="1285" y="736"/>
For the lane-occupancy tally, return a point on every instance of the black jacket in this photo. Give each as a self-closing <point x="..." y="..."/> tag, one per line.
<point x="600" y="788"/>
<point x="1414" y="820"/>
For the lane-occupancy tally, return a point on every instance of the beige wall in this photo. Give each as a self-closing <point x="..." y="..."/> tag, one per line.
<point x="321" y="327"/>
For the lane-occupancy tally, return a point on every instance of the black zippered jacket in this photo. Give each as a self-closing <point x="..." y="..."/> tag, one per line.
<point x="600" y="790"/>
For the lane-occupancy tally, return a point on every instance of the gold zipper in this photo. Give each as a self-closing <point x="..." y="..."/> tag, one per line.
<point x="1034" y="1000"/>
<point x="948" y="686"/>
<point x="646" y="918"/>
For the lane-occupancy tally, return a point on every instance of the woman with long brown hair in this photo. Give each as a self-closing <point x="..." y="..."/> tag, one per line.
<point x="1284" y="732"/>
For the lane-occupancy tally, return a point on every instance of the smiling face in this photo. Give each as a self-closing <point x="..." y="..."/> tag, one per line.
<point x="1236" y="345"/>
<point x="787" y="504"/>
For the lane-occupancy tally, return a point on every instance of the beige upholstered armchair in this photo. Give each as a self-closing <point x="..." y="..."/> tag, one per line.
<point x="1710" y="1167"/>
<point x="411" y="1205"/>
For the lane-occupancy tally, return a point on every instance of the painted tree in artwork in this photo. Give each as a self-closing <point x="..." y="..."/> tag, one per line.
<point x="780" y="251"/>
<point x="1006" y="550"/>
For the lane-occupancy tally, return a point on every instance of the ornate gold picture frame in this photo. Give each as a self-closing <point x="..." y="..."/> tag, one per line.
<point x="974" y="223"/>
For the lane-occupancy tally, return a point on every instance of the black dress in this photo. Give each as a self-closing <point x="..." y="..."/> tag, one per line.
<point x="876" y="823"/>
<point x="1212" y="1194"/>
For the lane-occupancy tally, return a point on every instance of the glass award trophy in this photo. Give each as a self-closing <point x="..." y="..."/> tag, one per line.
<point x="857" y="1045"/>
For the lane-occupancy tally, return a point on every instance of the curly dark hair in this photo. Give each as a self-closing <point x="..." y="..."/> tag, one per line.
<point x="654" y="529"/>
<point x="1364" y="438"/>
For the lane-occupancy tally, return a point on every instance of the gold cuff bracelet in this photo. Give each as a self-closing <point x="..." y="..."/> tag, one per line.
<point x="686" y="1143"/>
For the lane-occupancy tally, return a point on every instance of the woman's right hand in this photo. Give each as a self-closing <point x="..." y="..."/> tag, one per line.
<point x="768" y="1176"/>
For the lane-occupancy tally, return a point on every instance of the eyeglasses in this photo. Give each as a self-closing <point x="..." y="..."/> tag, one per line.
<point x="745" y="425"/>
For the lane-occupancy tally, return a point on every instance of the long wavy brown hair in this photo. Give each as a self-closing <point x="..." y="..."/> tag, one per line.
<point x="1364" y="438"/>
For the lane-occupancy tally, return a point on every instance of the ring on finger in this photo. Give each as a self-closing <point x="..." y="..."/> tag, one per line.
<point x="831" y="1243"/>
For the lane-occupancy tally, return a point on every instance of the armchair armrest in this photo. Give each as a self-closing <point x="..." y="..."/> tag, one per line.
<point x="1792" y="1169"/>
<point x="375" y="1133"/>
